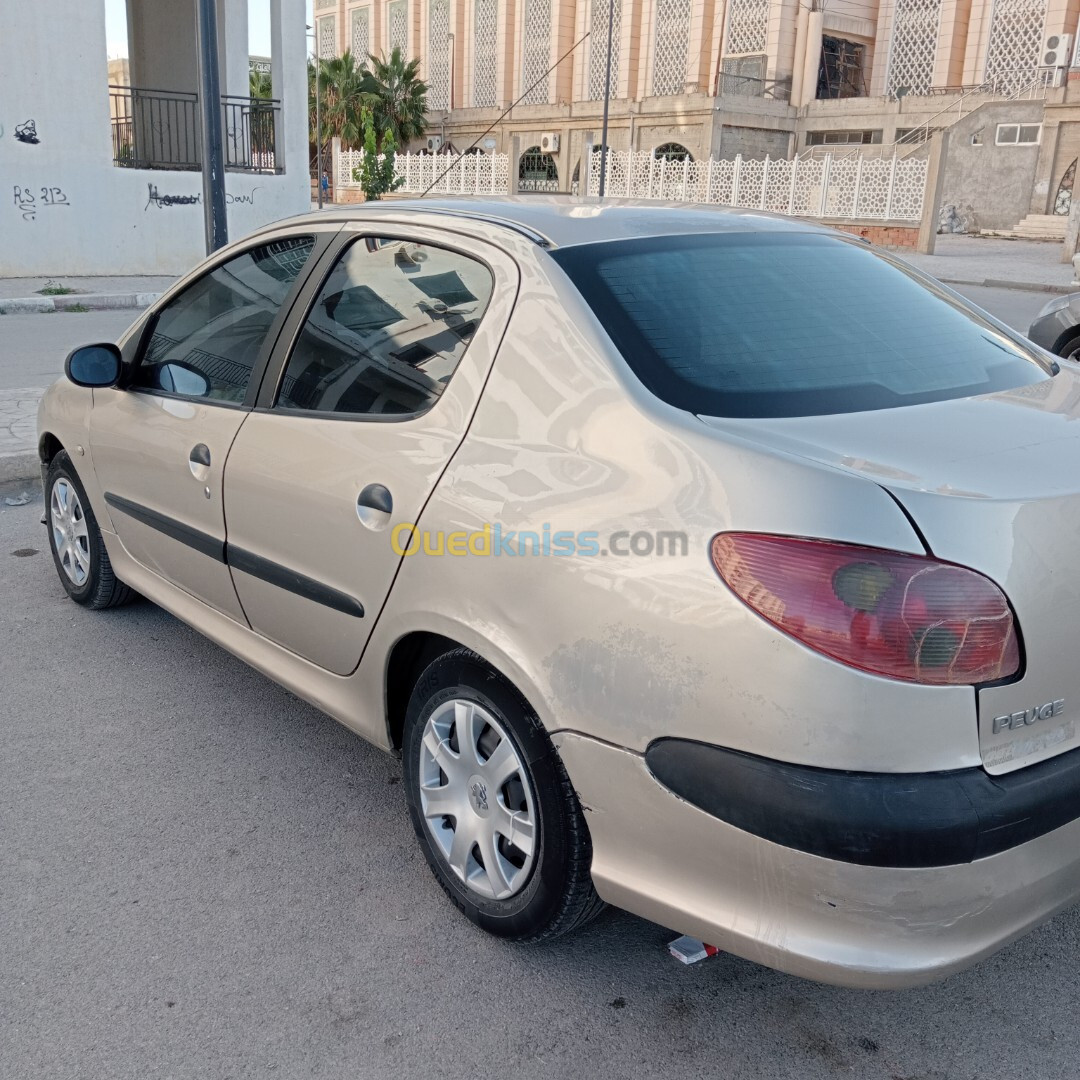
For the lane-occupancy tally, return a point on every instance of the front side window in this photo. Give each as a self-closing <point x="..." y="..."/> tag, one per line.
<point x="387" y="331"/>
<point x="204" y="342"/>
<point x="788" y="324"/>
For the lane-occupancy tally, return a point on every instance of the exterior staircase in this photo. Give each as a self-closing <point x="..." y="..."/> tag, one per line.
<point x="1036" y="227"/>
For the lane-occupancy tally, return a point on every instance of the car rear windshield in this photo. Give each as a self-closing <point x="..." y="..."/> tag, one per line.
<point x="788" y="324"/>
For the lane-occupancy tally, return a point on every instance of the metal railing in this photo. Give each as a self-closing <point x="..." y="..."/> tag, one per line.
<point x="159" y="129"/>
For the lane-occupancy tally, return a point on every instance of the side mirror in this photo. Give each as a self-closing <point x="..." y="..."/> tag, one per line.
<point x="178" y="378"/>
<point x="94" y="365"/>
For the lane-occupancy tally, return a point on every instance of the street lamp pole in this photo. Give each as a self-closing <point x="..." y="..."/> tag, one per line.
<point x="213" y="153"/>
<point x="607" y="99"/>
<point x="318" y="120"/>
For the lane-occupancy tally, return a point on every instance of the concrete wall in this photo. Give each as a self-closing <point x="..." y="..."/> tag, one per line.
<point x="993" y="183"/>
<point x="66" y="209"/>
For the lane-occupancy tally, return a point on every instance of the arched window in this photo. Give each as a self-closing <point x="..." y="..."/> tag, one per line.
<point x="537" y="171"/>
<point x="673" y="151"/>
<point x="1063" y="198"/>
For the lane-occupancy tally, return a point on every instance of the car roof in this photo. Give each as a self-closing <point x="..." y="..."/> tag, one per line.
<point x="566" y="221"/>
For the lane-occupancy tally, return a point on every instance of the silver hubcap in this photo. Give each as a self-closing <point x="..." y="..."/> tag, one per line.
<point x="476" y="799"/>
<point x="70" y="537"/>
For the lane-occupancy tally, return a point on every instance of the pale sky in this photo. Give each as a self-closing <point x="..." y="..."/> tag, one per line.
<point x="258" y="27"/>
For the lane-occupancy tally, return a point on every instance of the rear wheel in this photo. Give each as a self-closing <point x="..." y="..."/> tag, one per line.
<point x="494" y="810"/>
<point x="75" y="540"/>
<point x="1071" y="349"/>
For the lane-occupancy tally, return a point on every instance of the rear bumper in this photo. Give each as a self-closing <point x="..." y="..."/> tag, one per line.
<point x="836" y="921"/>
<point x="875" y="819"/>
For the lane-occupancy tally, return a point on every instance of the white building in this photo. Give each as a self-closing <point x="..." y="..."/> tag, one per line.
<point x="107" y="181"/>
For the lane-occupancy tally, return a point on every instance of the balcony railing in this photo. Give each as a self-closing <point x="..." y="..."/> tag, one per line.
<point x="159" y="129"/>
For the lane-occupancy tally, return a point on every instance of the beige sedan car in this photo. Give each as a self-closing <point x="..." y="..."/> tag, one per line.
<point x="712" y="565"/>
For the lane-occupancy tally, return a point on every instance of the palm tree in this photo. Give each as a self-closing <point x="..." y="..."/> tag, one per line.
<point x="259" y="83"/>
<point x="398" y="98"/>
<point x="342" y="98"/>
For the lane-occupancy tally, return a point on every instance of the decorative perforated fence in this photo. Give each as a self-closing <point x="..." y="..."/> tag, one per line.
<point x="836" y="188"/>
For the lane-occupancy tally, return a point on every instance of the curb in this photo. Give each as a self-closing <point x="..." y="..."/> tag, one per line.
<point x="26" y="305"/>
<point x="1023" y="286"/>
<point x="19" y="465"/>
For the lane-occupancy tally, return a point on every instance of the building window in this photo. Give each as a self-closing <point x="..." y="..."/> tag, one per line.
<point x="1018" y="134"/>
<point x="1014" y="47"/>
<point x="672" y="44"/>
<point x="320" y="4"/>
<point x="841" y="72"/>
<point x="843" y="138"/>
<point x="743" y="76"/>
<point x="747" y="27"/>
<point x="598" y="38"/>
<point x="397" y="16"/>
<point x="673" y="151"/>
<point x="1063" y="198"/>
<point x="438" y="57"/>
<point x="536" y="31"/>
<point x="360" y="36"/>
<point x="916" y="24"/>
<point x="537" y="171"/>
<point x="327" y="39"/>
<point x="485" y="54"/>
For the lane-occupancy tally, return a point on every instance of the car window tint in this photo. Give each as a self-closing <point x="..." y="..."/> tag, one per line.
<point x="205" y="341"/>
<point x="788" y="324"/>
<point x="387" y="331"/>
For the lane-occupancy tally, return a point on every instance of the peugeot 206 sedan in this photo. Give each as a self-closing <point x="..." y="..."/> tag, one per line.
<point x="711" y="565"/>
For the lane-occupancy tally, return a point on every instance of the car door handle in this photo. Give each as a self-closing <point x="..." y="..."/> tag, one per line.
<point x="199" y="464"/>
<point x="374" y="505"/>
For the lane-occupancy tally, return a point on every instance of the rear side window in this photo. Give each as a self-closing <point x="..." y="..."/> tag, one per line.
<point x="764" y="325"/>
<point x="206" y="340"/>
<point x="387" y="331"/>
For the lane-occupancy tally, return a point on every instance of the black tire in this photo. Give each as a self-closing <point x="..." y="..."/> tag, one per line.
<point x="1071" y="349"/>
<point x="101" y="589"/>
<point x="558" y="895"/>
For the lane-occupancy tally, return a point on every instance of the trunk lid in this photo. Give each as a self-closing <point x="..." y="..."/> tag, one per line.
<point x="992" y="483"/>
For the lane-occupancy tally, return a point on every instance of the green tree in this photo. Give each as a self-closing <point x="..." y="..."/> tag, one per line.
<point x="398" y="98"/>
<point x="259" y="83"/>
<point x="375" y="174"/>
<point x="342" y="98"/>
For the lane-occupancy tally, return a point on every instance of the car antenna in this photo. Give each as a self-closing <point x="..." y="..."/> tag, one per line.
<point x="499" y="119"/>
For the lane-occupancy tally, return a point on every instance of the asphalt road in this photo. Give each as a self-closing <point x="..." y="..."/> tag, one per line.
<point x="201" y="876"/>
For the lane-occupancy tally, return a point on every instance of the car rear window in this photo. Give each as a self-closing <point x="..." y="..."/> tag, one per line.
<point x="788" y="324"/>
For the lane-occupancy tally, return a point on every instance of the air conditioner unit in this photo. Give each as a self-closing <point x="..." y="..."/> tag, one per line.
<point x="1076" y="54"/>
<point x="434" y="143"/>
<point x="1057" y="51"/>
<point x="549" y="142"/>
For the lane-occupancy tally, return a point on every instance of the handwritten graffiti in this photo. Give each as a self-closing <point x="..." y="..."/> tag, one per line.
<point x="155" y="198"/>
<point x="27" y="132"/>
<point x="28" y="204"/>
<point x="159" y="200"/>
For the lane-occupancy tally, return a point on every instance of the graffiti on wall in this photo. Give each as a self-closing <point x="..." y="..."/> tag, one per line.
<point x="155" y="198"/>
<point x="28" y="204"/>
<point x="27" y="132"/>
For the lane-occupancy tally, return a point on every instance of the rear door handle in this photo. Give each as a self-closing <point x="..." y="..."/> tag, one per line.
<point x="374" y="505"/>
<point x="199" y="463"/>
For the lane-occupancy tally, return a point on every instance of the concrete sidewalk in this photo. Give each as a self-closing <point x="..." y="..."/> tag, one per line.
<point x="18" y="433"/>
<point x="19" y="296"/>
<point x="996" y="263"/>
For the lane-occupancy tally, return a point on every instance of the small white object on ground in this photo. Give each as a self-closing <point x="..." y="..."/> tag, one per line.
<point x="688" y="950"/>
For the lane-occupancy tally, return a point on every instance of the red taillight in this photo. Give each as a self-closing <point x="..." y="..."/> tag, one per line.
<point x="904" y="616"/>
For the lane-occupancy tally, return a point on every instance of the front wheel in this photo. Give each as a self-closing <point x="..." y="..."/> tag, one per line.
<point x="491" y="803"/>
<point x="75" y="540"/>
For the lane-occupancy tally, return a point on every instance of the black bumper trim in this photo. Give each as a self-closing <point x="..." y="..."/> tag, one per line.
<point x="872" y="819"/>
